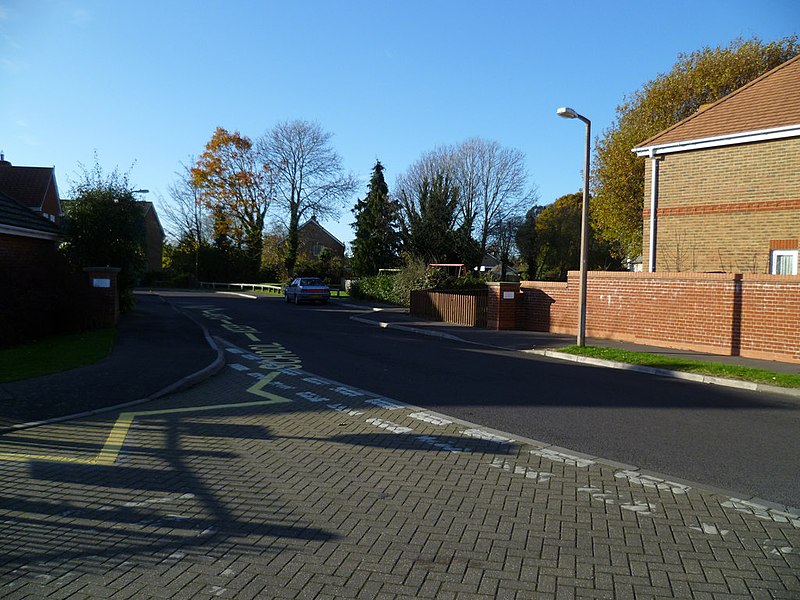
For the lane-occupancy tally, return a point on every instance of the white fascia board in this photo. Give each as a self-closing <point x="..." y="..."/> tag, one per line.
<point x="719" y="141"/>
<point x="29" y="233"/>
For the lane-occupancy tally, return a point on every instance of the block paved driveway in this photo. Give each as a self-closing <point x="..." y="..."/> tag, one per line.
<point x="265" y="483"/>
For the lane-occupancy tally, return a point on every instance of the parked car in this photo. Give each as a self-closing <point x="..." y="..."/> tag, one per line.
<point x="307" y="289"/>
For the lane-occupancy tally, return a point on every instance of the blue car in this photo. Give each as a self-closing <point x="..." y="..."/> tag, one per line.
<point x="307" y="289"/>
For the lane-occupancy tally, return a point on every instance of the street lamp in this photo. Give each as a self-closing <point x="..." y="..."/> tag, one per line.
<point x="568" y="113"/>
<point x="140" y="191"/>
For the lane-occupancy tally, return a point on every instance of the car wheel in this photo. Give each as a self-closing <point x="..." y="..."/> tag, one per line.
<point x="286" y="296"/>
<point x="296" y="299"/>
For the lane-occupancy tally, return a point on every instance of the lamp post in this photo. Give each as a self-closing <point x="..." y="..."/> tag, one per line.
<point x="568" y="113"/>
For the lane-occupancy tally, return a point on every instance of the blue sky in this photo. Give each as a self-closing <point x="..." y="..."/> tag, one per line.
<point x="146" y="83"/>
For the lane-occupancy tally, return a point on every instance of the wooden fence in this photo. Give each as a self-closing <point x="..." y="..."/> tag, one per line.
<point x="461" y="307"/>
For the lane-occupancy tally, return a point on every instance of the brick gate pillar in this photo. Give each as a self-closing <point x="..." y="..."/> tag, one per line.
<point x="501" y="308"/>
<point x="103" y="282"/>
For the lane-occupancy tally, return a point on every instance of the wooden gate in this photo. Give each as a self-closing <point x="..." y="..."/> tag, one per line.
<point x="460" y="307"/>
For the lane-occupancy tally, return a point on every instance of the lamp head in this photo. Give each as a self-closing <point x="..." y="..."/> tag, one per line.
<point x="567" y="113"/>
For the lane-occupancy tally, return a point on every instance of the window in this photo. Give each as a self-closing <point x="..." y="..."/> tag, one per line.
<point x="783" y="262"/>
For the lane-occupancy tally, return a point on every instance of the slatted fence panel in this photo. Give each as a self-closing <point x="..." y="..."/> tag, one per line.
<point x="460" y="307"/>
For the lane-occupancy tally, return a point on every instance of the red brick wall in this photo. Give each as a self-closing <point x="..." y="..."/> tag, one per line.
<point x="719" y="208"/>
<point x="747" y="314"/>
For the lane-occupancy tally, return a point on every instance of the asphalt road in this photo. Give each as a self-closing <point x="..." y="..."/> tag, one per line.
<point x="737" y="440"/>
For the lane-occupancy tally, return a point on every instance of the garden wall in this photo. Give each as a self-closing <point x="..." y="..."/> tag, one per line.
<point x="749" y="315"/>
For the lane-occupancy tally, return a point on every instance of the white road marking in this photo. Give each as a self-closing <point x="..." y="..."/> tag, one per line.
<point x="312" y="397"/>
<point x="480" y="434"/>
<point x="540" y="476"/>
<point x="561" y="457"/>
<point x="346" y="410"/>
<point x="238" y="367"/>
<point x="638" y="506"/>
<point x="389" y="426"/>
<point x="440" y="444"/>
<point x="281" y="385"/>
<point x="710" y="529"/>
<point x="387" y="404"/>
<point x="652" y="482"/>
<point x="345" y="391"/>
<point x="162" y="500"/>
<point x="761" y="512"/>
<point x="428" y="418"/>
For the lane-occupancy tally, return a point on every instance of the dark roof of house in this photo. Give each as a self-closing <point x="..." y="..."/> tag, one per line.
<point x="15" y="215"/>
<point x="767" y="102"/>
<point x="27" y="185"/>
<point x="313" y="222"/>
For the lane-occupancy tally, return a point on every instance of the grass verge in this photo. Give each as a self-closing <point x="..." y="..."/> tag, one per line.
<point x="700" y="367"/>
<point x="56" y="354"/>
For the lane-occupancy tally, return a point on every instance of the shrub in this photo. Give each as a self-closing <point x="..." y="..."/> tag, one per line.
<point x="396" y="289"/>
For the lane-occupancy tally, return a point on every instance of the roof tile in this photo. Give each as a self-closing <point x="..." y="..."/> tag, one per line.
<point x="767" y="102"/>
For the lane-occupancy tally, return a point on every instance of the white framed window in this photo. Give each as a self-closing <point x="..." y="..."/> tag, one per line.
<point x="783" y="262"/>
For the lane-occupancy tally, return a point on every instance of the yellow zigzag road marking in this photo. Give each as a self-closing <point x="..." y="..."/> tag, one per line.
<point x="116" y="438"/>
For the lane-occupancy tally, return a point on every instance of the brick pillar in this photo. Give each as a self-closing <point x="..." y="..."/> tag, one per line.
<point x="103" y="283"/>
<point x="501" y="309"/>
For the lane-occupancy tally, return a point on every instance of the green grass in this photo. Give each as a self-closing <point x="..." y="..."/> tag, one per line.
<point x="700" y="367"/>
<point x="56" y="354"/>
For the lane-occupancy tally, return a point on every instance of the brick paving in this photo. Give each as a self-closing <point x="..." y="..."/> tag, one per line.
<point x="293" y="486"/>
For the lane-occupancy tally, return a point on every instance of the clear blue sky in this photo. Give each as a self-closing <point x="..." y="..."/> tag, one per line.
<point x="145" y="83"/>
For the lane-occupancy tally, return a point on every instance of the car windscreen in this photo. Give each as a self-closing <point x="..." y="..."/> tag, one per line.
<point x="311" y="282"/>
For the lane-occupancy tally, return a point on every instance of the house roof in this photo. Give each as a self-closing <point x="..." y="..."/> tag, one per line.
<point x="313" y="222"/>
<point x="27" y="185"/>
<point x="770" y="103"/>
<point x="149" y="208"/>
<point x="19" y="220"/>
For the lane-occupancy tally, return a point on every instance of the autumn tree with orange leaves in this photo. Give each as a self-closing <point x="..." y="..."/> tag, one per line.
<point x="237" y="186"/>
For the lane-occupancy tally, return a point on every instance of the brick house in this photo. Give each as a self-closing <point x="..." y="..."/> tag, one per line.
<point x="313" y="238"/>
<point x="30" y="215"/>
<point x="153" y="237"/>
<point x="34" y="187"/>
<point x="23" y="233"/>
<point x="723" y="185"/>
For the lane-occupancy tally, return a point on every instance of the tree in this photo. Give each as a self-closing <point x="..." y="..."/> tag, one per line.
<point x="429" y="218"/>
<point x="309" y="176"/>
<point x="104" y="225"/>
<point x="554" y="247"/>
<point x="696" y="79"/>
<point x="377" y="242"/>
<point x="529" y="244"/>
<point x="187" y="218"/>
<point x="492" y="180"/>
<point x="237" y="187"/>
<point x="502" y="238"/>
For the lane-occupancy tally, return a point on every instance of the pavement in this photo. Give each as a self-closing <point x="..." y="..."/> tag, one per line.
<point x="157" y="351"/>
<point x="285" y="485"/>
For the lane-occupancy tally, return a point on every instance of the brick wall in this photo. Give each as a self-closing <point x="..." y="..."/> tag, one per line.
<point x="719" y="208"/>
<point x="746" y="314"/>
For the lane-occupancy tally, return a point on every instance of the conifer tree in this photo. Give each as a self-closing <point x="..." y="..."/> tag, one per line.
<point x="377" y="241"/>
